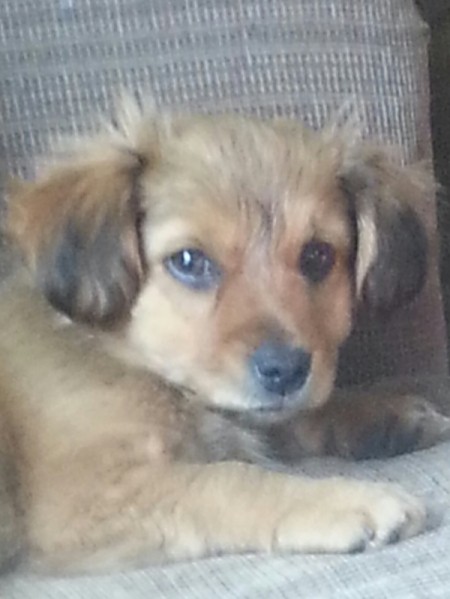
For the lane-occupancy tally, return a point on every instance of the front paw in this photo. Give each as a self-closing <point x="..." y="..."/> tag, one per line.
<point x="408" y="423"/>
<point x="350" y="517"/>
<point x="363" y="425"/>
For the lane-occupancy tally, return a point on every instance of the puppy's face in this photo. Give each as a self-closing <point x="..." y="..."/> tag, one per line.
<point x="229" y="253"/>
<point x="248" y="247"/>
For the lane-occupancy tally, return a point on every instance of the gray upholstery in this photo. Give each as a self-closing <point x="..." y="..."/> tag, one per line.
<point x="64" y="60"/>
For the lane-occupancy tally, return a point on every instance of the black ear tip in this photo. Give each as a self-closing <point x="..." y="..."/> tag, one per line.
<point x="399" y="271"/>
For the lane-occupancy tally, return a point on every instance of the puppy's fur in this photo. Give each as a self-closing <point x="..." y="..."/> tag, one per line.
<point x="129" y="405"/>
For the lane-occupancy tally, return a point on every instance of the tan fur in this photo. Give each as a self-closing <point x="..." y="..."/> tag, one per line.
<point x="119" y="431"/>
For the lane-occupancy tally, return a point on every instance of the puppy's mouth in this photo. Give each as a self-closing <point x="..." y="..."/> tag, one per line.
<point x="265" y="407"/>
<point x="277" y="412"/>
<point x="265" y="402"/>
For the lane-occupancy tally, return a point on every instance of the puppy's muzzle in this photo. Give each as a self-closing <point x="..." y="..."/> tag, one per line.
<point x="278" y="368"/>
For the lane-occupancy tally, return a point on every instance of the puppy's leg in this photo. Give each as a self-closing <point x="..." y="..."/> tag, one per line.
<point x="147" y="512"/>
<point x="389" y="419"/>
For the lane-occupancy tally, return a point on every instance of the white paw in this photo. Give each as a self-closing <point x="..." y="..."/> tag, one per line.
<point x="350" y="516"/>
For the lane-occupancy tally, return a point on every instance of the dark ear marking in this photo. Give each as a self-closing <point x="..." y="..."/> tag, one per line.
<point x="79" y="230"/>
<point x="94" y="275"/>
<point x="391" y="243"/>
<point x="92" y="279"/>
<point x="398" y="272"/>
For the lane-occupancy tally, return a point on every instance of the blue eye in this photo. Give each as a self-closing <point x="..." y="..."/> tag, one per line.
<point x="193" y="268"/>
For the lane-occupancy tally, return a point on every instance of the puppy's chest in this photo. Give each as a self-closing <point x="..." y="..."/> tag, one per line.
<point x="210" y="436"/>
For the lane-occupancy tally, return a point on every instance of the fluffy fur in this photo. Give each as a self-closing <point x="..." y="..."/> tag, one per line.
<point x="130" y="413"/>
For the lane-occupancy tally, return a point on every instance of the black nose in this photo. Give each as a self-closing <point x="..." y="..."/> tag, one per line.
<point x="280" y="368"/>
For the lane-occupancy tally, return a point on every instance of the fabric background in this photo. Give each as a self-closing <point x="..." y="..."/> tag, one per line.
<point x="62" y="61"/>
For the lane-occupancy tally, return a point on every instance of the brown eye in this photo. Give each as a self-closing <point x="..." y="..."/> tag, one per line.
<point x="317" y="260"/>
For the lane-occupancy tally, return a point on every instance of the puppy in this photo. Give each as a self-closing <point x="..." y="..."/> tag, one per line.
<point x="188" y="284"/>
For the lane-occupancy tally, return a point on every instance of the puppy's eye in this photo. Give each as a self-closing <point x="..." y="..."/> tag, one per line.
<point x="193" y="268"/>
<point x="317" y="260"/>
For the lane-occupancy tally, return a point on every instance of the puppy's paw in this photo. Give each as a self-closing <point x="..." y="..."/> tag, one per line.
<point x="352" y="517"/>
<point x="408" y="423"/>
<point x="365" y="425"/>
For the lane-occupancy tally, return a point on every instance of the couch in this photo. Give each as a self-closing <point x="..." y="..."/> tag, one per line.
<point x="63" y="61"/>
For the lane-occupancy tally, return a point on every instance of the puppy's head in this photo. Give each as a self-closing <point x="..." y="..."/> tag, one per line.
<point x="228" y="253"/>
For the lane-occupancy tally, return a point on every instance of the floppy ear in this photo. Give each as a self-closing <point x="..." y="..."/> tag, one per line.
<point x="391" y="242"/>
<point x="78" y="231"/>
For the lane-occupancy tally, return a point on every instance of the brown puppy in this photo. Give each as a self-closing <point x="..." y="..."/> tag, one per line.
<point x="190" y="281"/>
